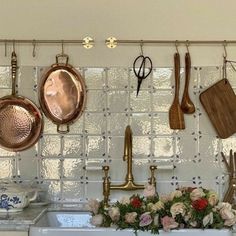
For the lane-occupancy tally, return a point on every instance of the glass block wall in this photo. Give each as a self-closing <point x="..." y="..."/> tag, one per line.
<point x="67" y="165"/>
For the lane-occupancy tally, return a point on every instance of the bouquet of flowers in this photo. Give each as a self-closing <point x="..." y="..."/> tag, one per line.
<point x="184" y="208"/>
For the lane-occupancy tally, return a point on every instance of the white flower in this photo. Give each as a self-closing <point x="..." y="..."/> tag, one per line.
<point x="178" y="208"/>
<point x="114" y="213"/>
<point x="208" y="219"/>
<point x="213" y="198"/>
<point x="149" y="191"/>
<point x="156" y="207"/>
<point x="165" y="198"/>
<point x="97" y="220"/>
<point x="197" y="194"/>
<point x="93" y="206"/>
<point x="193" y="223"/>
<point x="176" y="193"/>
<point x="226" y="213"/>
<point x="230" y="222"/>
<point x="125" y="200"/>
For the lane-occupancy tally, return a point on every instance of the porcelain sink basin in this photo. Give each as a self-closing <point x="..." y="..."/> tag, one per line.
<point x="61" y="223"/>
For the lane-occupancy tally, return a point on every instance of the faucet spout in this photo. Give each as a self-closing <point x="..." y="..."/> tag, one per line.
<point x="128" y="156"/>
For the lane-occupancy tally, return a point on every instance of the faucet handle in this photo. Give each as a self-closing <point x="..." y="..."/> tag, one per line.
<point x="106" y="169"/>
<point x="152" y="179"/>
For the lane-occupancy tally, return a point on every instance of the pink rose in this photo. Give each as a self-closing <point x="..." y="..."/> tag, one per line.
<point x="169" y="223"/>
<point x="145" y="219"/>
<point x="149" y="191"/>
<point x="97" y="220"/>
<point x="130" y="217"/>
<point x="197" y="194"/>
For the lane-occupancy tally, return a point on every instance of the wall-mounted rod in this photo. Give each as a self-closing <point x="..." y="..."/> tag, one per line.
<point x="87" y="42"/>
<point x="112" y="42"/>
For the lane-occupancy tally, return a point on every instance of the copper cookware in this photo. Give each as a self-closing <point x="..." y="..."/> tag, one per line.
<point x="62" y="94"/>
<point x="21" y="121"/>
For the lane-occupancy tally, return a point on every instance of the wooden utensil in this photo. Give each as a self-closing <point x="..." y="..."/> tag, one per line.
<point x="176" y="117"/>
<point x="219" y="101"/>
<point x="187" y="105"/>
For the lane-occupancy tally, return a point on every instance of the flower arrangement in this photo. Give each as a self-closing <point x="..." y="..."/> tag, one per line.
<point x="184" y="208"/>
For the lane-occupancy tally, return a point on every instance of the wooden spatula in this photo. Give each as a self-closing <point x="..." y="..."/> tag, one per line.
<point x="176" y="117"/>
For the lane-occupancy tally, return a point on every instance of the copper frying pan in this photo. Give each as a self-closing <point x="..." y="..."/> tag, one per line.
<point x="21" y="121"/>
<point x="62" y="94"/>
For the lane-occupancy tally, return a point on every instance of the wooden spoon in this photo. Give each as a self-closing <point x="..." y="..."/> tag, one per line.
<point x="187" y="105"/>
<point x="176" y="117"/>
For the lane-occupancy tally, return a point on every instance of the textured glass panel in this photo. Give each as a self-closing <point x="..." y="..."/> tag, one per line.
<point x="117" y="101"/>
<point x="141" y="123"/>
<point x="162" y="100"/>
<point x="141" y="147"/>
<point x="4" y="153"/>
<point x="95" y="146"/>
<point x="116" y="123"/>
<point x="95" y="100"/>
<point x="209" y="146"/>
<point x="116" y="147"/>
<point x="209" y="76"/>
<point x="228" y="144"/>
<point x="95" y="123"/>
<point x="50" y="169"/>
<point x="73" y="146"/>
<point x="162" y="78"/>
<point x="7" y="168"/>
<point x="27" y="77"/>
<point x="73" y="168"/>
<point x="51" y="145"/>
<point x="94" y="190"/>
<point x="134" y="81"/>
<point x="231" y="76"/>
<point x="163" y="147"/>
<point x="53" y="189"/>
<point x="142" y="103"/>
<point x="27" y="167"/>
<point x="161" y="124"/>
<point x="72" y="191"/>
<point x="117" y="78"/>
<point x="5" y="77"/>
<point x="95" y="78"/>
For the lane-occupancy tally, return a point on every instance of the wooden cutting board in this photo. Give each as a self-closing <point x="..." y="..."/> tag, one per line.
<point x="219" y="101"/>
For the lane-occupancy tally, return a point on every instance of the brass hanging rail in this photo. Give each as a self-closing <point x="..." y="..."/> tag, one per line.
<point x="112" y="42"/>
<point x="87" y="42"/>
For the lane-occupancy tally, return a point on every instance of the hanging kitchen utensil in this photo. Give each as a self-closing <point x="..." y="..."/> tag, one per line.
<point x="187" y="105"/>
<point x="176" y="117"/>
<point x="62" y="93"/>
<point x="142" y="72"/>
<point x="21" y="121"/>
<point x="219" y="101"/>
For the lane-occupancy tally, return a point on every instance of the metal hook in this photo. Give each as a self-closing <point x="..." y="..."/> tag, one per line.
<point x="224" y="45"/>
<point x="187" y="45"/>
<point x="13" y="42"/>
<point x="34" y="45"/>
<point x="62" y="47"/>
<point x="141" y="47"/>
<point x="5" y="53"/>
<point x="176" y="46"/>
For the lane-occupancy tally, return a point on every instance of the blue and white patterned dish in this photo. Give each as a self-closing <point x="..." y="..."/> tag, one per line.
<point x="13" y="197"/>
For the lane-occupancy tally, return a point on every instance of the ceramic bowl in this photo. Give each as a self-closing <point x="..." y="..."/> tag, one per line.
<point x="14" y="198"/>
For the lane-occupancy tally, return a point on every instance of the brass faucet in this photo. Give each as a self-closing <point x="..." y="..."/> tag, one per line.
<point x="129" y="183"/>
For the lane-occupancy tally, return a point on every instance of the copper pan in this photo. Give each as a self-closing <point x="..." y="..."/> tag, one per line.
<point x="62" y="94"/>
<point x="21" y="121"/>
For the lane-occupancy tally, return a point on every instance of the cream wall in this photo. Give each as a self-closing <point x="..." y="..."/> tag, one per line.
<point x="130" y="19"/>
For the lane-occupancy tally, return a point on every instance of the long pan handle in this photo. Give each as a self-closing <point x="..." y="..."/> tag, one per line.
<point x="177" y="75"/>
<point x="13" y="71"/>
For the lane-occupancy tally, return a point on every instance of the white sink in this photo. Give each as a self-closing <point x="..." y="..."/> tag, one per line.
<point x="63" y="223"/>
